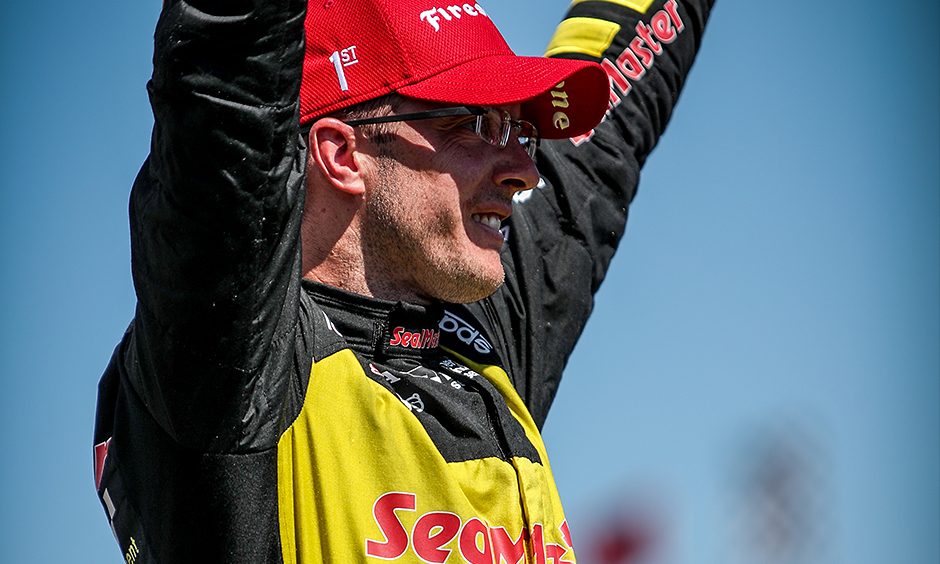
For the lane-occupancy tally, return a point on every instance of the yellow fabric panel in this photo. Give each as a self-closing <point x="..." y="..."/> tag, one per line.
<point x="500" y="379"/>
<point x="589" y="36"/>
<point x="638" y="5"/>
<point x="543" y="503"/>
<point x="355" y="442"/>
<point x="325" y="499"/>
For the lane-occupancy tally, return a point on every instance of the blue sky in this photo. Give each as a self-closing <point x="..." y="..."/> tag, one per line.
<point x="779" y="282"/>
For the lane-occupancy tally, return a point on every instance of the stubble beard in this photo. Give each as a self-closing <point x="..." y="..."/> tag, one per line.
<point x="414" y="259"/>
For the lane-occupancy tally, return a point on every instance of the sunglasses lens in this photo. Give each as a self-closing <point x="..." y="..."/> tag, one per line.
<point x="490" y="127"/>
<point x="529" y="144"/>
<point x="528" y="136"/>
<point x="495" y="127"/>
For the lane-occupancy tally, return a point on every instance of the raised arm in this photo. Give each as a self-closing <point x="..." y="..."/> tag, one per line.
<point x="564" y="233"/>
<point x="215" y="215"/>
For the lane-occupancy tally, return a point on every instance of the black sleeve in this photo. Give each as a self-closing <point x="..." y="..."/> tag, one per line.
<point x="215" y="217"/>
<point x="564" y="233"/>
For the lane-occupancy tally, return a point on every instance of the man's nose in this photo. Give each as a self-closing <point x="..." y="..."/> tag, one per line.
<point x="518" y="171"/>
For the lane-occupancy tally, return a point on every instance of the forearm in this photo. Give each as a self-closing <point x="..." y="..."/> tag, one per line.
<point x="215" y="211"/>
<point x="563" y="235"/>
<point x="647" y="57"/>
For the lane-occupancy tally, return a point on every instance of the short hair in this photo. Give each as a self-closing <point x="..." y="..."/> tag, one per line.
<point x="378" y="133"/>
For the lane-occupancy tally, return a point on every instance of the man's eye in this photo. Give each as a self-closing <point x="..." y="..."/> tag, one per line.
<point x="468" y="123"/>
<point x="457" y="122"/>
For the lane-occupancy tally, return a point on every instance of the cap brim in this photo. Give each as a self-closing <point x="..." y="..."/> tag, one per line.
<point x="557" y="110"/>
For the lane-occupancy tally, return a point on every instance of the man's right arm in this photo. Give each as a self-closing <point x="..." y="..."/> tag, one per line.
<point x="215" y="215"/>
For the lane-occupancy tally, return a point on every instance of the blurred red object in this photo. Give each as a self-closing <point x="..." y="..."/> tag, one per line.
<point x="623" y="543"/>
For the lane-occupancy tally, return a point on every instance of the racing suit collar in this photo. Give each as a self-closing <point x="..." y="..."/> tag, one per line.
<point x="379" y="328"/>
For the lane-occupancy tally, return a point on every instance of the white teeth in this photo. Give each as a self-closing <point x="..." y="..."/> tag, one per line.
<point x="491" y="221"/>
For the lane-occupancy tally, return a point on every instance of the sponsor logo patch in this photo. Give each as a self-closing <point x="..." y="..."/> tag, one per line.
<point x="640" y="55"/>
<point x="415" y="339"/>
<point x="465" y="332"/>
<point x="101" y="453"/>
<point x="459" y="368"/>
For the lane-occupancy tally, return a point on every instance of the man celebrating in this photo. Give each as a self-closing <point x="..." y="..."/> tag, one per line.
<point x="355" y="302"/>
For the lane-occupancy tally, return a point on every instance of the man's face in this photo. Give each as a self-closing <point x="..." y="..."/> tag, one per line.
<point x="434" y="201"/>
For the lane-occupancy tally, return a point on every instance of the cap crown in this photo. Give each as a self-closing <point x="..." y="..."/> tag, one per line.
<point x="357" y="50"/>
<point x="361" y="49"/>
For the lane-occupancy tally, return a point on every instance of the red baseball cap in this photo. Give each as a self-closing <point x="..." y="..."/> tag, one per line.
<point x="358" y="50"/>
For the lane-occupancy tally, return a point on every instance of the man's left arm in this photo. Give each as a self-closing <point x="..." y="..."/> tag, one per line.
<point x="564" y="233"/>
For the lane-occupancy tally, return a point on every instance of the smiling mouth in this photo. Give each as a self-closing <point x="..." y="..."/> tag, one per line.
<point x="490" y="220"/>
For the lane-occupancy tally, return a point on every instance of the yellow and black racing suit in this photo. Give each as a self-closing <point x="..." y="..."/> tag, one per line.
<point x="250" y="416"/>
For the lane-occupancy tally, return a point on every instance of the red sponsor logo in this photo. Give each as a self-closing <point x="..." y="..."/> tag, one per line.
<point x="433" y="533"/>
<point x="633" y="62"/>
<point x="101" y="453"/>
<point x="423" y="339"/>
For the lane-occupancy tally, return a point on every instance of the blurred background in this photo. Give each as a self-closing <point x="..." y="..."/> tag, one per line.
<point x="760" y="381"/>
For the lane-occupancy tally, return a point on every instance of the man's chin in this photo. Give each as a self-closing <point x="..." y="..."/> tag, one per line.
<point x="471" y="288"/>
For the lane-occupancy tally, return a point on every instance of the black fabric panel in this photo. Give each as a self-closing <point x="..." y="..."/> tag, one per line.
<point x="215" y="218"/>
<point x="195" y="507"/>
<point x="462" y="412"/>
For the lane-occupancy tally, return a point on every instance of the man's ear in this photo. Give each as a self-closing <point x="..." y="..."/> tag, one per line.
<point x="333" y="148"/>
